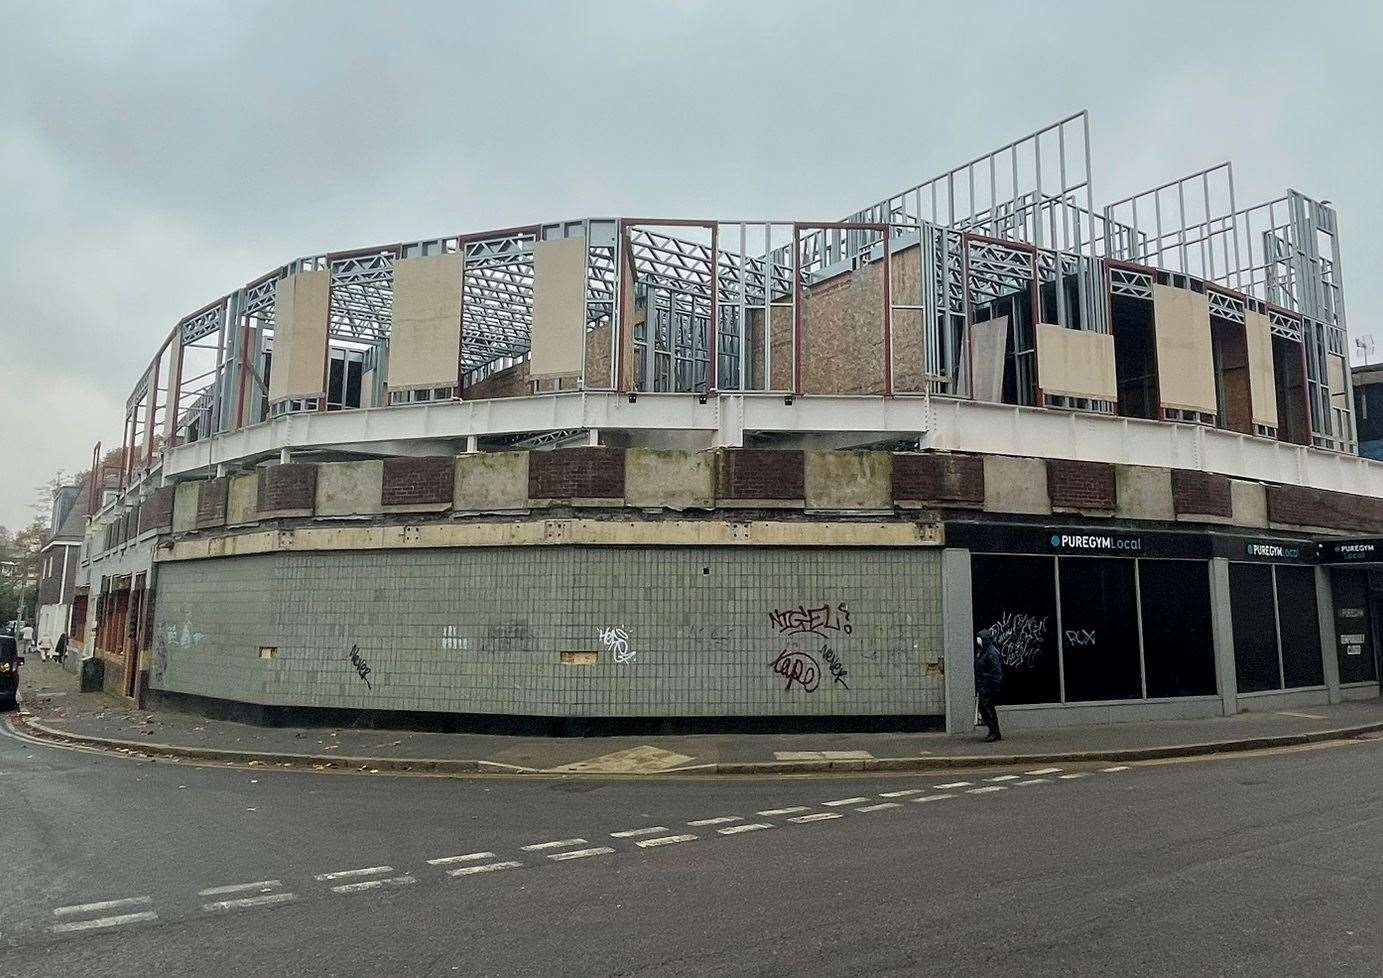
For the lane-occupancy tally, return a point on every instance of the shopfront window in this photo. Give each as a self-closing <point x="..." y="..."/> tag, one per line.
<point x="1277" y="642"/>
<point x="1015" y="597"/>
<point x="1353" y="626"/>
<point x="1178" y="639"/>
<point x="1099" y="629"/>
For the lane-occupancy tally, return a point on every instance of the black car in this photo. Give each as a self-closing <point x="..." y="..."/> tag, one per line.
<point x="10" y="661"/>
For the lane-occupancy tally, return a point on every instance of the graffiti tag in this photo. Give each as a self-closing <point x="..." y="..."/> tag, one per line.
<point x="616" y="642"/>
<point x="361" y="668"/>
<point x="1021" y="638"/>
<point x="797" y="667"/>
<point x="833" y="663"/>
<point x="811" y="621"/>
<point x="1080" y="637"/>
<point x="160" y="659"/>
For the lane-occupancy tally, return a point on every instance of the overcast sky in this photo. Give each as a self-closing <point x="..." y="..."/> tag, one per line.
<point x="155" y="156"/>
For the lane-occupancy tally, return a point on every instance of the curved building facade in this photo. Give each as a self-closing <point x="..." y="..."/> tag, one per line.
<point x="679" y="468"/>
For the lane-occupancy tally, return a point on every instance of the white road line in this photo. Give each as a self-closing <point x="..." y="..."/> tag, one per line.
<point x="746" y="827"/>
<point x="558" y="844"/>
<point x="582" y="853"/>
<point x="263" y="886"/>
<point x="900" y="794"/>
<point x="630" y="833"/>
<point x="816" y="817"/>
<point x="1003" y="777"/>
<point x="102" y="905"/>
<point x="879" y="807"/>
<point x="467" y="858"/>
<point x="927" y="798"/>
<point x="982" y="791"/>
<point x="127" y="918"/>
<point x="1045" y="770"/>
<point x="404" y="880"/>
<point x="1072" y="777"/>
<point x="1027" y="781"/>
<point x="266" y="900"/>
<point x="666" y="840"/>
<point x="953" y="784"/>
<point x="783" y="811"/>
<point x="1113" y="770"/>
<point x="721" y="820"/>
<point x="347" y="873"/>
<point x="487" y="868"/>
<point x="844" y="801"/>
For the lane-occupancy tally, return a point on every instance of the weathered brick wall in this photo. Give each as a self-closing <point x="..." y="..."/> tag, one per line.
<point x="510" y="382"/>
<point x="287" y="488"/>
<point x="758" y="473"/>
<point x="426" y="481"/>
<point x="156" y="512"/>
<point x="1081" y="485"/>
<point x="941" y="480"/>
<point x="701" y="630"/>
<point x="1300" y="506"/>
<point x="1201" y="493"/>
<point x="576" y="473"/>
<point x="211" y="503"/>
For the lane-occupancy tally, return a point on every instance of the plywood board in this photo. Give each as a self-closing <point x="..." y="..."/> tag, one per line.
<point x="1262" y="387"/>
<point x="1185" y="363"/>
<point x="1076" y="363"/>
<point x="988" y="343"/>
<point x="425" y="339"/>
<point x="301" y="308"/>
<point x="843" y="333"/>
<point x="559" y="308"/>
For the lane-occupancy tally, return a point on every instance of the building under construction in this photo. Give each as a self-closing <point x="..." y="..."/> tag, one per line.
<point x="656" y="467"/>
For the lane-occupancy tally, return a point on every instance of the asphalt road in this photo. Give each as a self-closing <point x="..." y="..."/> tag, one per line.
<point x="1254" y="865"/>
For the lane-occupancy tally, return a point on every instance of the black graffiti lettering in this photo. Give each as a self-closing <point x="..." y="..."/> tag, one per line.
<point x="838" y="670"/>
<point x="361" y="668"/>
<point x="797" y="667"/>
<point x="812" y="621"/>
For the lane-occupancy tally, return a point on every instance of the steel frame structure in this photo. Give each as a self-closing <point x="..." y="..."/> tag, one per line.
<point x="1021" y="218"/>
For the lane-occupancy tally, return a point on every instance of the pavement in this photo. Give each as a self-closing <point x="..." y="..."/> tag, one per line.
<point x="1254" y="863"/>
<point x="52" y="706"/>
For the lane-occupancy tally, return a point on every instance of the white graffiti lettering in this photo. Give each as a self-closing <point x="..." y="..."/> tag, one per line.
<point x="616" y="642"/>
<point x="1020" y="638"/>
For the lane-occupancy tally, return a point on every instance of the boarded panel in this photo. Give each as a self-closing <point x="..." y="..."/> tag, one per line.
<point x="905" y="287"/>
<point x="1185" y="363"/>
<point x="1075" y="363"/>
<point x="988" y="341"/>
<point x="559" y="308"/>
<point x="300" y="336"/>
<point x="843" y="334"/>
<point x="1262" y="389"/>
<point x="425" y="339"/>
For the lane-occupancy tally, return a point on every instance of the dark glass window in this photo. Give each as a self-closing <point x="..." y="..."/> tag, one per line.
<point x="1255" y="627"/>
<point x="1016" y="598"/>
<point x="1178" y="640"/>
<point x="1099" y="629"/>
<point x="1353" y="625"/>
<point x="1301" y="632"/>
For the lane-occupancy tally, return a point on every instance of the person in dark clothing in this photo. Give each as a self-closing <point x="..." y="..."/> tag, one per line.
<point x="989" y="681"/>
<point x="60" y="649"/>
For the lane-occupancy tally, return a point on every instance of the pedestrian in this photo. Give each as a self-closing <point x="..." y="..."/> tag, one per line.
<point x="989" y="681"/>
<point x="26" y="639"/>
<point x="60" y="649"/>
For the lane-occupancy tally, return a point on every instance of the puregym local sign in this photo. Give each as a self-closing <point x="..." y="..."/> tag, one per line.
<point x="1097" y="543"/>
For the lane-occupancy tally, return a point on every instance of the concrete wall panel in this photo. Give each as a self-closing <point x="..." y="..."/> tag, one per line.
<point x="349" y="488"/>
<point x="1015" y="485"/>
<point x="426" y="332"/>
<point x="1144" y="493"/>
<point x="185" y="499"/>
<point x="669" y="479"/>
<point x="242" y="499"/>
<point x="848" y="480"/>
<point x="490" y="482"/>
<point x="1250" y="502"/>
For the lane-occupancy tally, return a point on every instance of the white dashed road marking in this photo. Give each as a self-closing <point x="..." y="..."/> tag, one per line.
<point x="900" y="794"/>
<point x="1113" y="770"/>
<point x="263" y="886"/>
<point x="879" y="807"/>
<point x="582" y="853"/>
<point x="844" y="801"/>
<point x="666" y="840"/>
<point x="1028" y="781"/>
<point x="630" y="833"/>
<point x="245" y="903"/>
<point x="783" y="811"/>
<point x="116" y="921"/>
<point x="1072" y="777"/>
<point x="405" y="880"/>
<point x="927" y="798"/>
<point x="559" y="844"/>
<point x="817" y="817"/>
<point x="1045" y="770"/>
<point x="1003" y="777"/>
<point x="721" y="820"/>
<point x="469" y="857"/>
<point x="138" y="901"/>
<point x="747" y="827"/>
<point x="487" y="868"/>
<point x="953" y="784"/>
<point x="348" y="873"/>
<point x="982" y="791"/>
